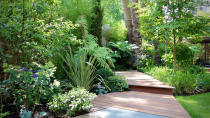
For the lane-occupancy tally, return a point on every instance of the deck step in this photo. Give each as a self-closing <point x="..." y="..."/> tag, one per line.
<point x="152" y="89"/>
<point x="141" y="82"/>
<point x="207" y="69"/>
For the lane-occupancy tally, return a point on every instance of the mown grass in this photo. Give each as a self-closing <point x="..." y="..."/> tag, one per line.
<point x="198" y="106"/>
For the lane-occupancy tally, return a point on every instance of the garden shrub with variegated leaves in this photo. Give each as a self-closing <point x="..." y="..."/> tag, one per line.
<point x="72" y="103"/>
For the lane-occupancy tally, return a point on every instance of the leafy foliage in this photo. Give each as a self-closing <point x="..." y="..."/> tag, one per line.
<point x="104" y="73"/>
<point x="26" y="87"/>
<point x="121" y="48"/>
<point x="114" y="19"/>
<point x="72" y="103"/>
<point x="79" y="69"/>
<point x="172" y="21"/>
<point x="102" y="54"/>
<point x="167" y="59"/>
<point x="2" y="115"/>
<point x="19" y="28"/>
<point x="122" y="53"/>
<point x="205" y="81"/>
<point x="41" y="31"/>
<point x="118" y="32"/>
<point x="117" y="83"/>
<point x="56" y="36"/>
<point x="145" y="60"/>
<point x="90" y="10"/>
<point x="96" y="25"/>
<point x="184" y="54"/>
<point x="186" y="81"/>
<point x="112" y="11"/>
<point x="73" y="9"/>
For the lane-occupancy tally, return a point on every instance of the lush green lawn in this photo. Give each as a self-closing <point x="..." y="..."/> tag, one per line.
<point x="198" y="106"/>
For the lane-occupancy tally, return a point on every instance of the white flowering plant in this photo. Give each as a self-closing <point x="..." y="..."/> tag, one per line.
<point x="72" y="103"/>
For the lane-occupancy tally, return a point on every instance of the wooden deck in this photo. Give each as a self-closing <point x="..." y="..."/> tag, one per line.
<point x="140" y="100"/>
<point x="141" y="82"/>
<point x="207" y="69"/>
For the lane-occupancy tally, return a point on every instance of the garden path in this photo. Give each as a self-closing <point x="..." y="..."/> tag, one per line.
<point x="147" y="95"/>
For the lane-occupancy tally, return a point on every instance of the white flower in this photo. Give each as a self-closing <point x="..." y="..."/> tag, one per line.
<point x="56" y="83"/>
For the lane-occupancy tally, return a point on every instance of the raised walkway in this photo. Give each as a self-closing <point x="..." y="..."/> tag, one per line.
<point x="147" y="95"/>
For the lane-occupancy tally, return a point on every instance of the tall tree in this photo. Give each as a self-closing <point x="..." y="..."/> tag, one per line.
<point x="183" y="22"/>
<point x="136" y="39"/>
<point x="177" y="19"/>
<point x="151" y="20"/>
<point x="96" y="25"/>
<point x="128" y="19"/>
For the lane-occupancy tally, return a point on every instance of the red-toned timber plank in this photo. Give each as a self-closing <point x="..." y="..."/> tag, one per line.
<point x="158" y="90"/>
<point x="170" y="108"/>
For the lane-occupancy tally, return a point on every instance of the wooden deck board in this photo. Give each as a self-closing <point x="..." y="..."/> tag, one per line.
<point x="138" y="81"/>
<point x="141" y="79"/>
<point x="142" y="100"/>
<point x="164" y="105"/>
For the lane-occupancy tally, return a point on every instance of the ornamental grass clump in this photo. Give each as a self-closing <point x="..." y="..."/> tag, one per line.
<point x="72" y="103"/>
<point x="79" y="69"/>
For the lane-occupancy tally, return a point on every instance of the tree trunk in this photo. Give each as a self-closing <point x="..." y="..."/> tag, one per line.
<point x="174" y="51"/>
<point x="156" y="55"/>
<point x="136" y="39"/>
<point x="128" y="19"/>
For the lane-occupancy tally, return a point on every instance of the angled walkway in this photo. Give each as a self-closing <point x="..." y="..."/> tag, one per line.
<point x="141" y="82"/>
<point x="139" y="99"/>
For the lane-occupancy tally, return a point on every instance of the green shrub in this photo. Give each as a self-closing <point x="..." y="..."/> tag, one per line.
<point x="104" y="73"/>
<point x="117" y="83"/>
<point x="205" y="81"/>
<point x="27" y="86"/>
<point x="197" y="50"/>
<point x="194" y="69"/>
<point x="121" y="48"/>
<point x="184" y="82"/>
<point x="72" y="103"/>
<point x="118" y="31"/>
<point x="2" y="115"/>
<point x="167" y="59"/>
<point x="121" y="53"/>
<point x="144" y="61"/>
<point x="102" y="82"/>
<point x="102" y="54"/>
<point x="184" y="54"/>
<point x="79" y="69"/>
<point x="53" y="89"/>
<point x="161" y="73"/>
<point x="73" y="9"/>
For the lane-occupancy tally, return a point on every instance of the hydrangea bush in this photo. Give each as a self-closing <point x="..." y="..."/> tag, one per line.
<point x="73" y="102"/>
